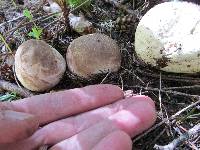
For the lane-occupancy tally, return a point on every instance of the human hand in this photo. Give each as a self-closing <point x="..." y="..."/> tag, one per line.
<point x="91" y="118"/>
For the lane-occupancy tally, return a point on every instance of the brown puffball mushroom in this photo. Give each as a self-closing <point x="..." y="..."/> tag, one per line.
<point x="92" y="54"/>
<point x="38" y="66"/>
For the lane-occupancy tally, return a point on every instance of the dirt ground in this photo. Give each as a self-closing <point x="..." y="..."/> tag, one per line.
<point x="171" y="92"/>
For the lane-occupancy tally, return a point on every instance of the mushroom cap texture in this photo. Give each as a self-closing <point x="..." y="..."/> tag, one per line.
<point x="38" y="66"/>
<point x="168" y="37"/>
<point x="92" y="54"/>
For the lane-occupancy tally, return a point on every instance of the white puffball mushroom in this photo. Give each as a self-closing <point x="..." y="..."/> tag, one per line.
<point x="80" y="24"/>
<point x="92" y="54"/>
<point x="168" y="37"/>
<point x="53" y="8"/>
<point x="38" y="66"/>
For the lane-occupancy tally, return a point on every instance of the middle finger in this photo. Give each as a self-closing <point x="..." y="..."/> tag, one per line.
<point x="66" y="128"/>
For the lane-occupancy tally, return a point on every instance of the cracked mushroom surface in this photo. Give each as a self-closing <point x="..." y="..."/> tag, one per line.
<point x="92" y="54"/>
<point x="38" y="66"/>
<point x="167" y="37"/>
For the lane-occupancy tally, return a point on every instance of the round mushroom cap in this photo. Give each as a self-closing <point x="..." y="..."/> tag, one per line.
<point x="38" y="66"/>
<point x="92" y="54"/>
<point x="167" y="37"/>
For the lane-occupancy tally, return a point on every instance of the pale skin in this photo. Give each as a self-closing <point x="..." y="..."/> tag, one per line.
<point x="96" y="117"/>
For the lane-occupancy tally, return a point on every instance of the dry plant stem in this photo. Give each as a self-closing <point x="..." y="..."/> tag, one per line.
<point x="15" y="5"/>
<point x="133" y="4"/>
<point x="66" y="11"/>
<point x="79" y="6"/>
<point x="4" y="41"/>
<point x="190" y="134"/>
<point x="160" y="98"/>
<point x="52" y="23"/>
<point x="158" y="136"/>
<point x="182" y="87"/>
<point x="133" y="73"/>
<point x="170" y="77"/>
<point x="20" y="23"/>
<point x="13" y="20"/>
<point x="105" y="77"/>
<point x="168" y="119"/>
<point x="5" y="85"/>
<point x="35" y="20"/>
<point x="163" y="91"/>
<point x="38" y="19"/>
<point x="10" y="32"/>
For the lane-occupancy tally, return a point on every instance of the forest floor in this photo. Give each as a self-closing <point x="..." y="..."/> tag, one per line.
<point x="177" y="96"/>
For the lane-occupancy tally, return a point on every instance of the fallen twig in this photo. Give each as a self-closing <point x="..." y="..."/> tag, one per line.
<point x="163" y="91"/>
<point x="15" y="19"/>
<point x="5" y="43"/>
<point x="43" y="18"/>
<point x="182" y="87"/>
<point x="190" y="134"/>
<point x="21" y="25"/>
<point x="171" y="77"/>
<point x="168" y="119"/>
<point x="5" y="85"/>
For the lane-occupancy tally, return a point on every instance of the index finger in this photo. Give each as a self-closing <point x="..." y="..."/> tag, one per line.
<point x="15" y="126"/>
<point x="53" y="106"/>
